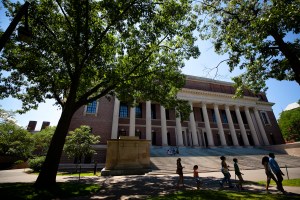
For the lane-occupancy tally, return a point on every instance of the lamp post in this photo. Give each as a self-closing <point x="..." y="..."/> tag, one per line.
<point x="24" y="32"/>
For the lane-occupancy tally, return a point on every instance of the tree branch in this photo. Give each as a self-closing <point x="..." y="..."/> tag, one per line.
<point x="63" y="11"/>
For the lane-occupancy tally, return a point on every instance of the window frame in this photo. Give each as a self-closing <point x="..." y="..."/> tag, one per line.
<point x="123" y="111"/>
<point x="91" y="108"/>
<point x="138" y="111"/>
<point x="265" y="118"/>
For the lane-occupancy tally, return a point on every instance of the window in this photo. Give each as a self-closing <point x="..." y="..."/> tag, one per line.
<point x="138" y="133"/>
<point x="265" y="118"/>
<point x="167" y="114"/>
<point x="138" y="111"/>
<point x="214" y="116"/>
<point x="244" y="118"/>
<point x="224" y="117"/>
<point x="201" y="113"/>
<point x="234" y="118"/>
<point x="122" y="132"/>
<point x="153" y="111"/>
<point x="123" y="110"/>
<point x="91" y="108"/>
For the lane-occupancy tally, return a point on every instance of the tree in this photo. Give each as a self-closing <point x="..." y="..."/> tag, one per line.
<point x="254" y="35"/>
<point x="84" y="50"/>
<point x="42" y="140"/>
<point x="15" y="141"/>
<point x="79" y="143"/>
<point x="7" y="116"/>
<point x="289" y="123"/>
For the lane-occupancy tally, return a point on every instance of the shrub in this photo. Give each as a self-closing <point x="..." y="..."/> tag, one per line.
<point x="36" y="163"/>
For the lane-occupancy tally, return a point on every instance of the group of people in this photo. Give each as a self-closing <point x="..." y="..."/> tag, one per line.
<point x="173" y="151"/>
<point x="270" y="165"/>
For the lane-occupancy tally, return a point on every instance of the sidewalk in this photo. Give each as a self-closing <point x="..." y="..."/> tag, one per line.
<point x="143" y="186"/>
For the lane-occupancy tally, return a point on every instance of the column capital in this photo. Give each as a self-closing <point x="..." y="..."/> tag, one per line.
<point x="216" y="104"/>
<point x="203" y="103"/>
<point x="237" y="106"/>
<point x="227" y="106"/>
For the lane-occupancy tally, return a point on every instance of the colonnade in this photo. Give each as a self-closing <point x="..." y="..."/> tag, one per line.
<point x="193" y="126"/>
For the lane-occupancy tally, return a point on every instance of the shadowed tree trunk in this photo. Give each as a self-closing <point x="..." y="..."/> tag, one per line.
<point x="47" y="176"/>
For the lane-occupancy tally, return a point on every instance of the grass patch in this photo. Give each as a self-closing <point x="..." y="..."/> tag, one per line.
<point x="82" y="174"/>
<point x="291" y="182"/>
<point x="224" y="195"/>
<point x="63" y="190"/>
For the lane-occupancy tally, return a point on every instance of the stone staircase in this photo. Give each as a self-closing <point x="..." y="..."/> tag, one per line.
<point x="208" y="159"/>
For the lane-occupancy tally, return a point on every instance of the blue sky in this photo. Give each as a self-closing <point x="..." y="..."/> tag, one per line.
<point x="281" y="93"/>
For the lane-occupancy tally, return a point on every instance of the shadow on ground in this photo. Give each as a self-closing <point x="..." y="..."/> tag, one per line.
<point x="142" y="187"/>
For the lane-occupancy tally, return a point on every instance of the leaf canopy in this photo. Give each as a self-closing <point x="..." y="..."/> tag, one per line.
<point x="84" y="50"/>
<point x="289" y="123"/>
<point x="261" y="37"/>
<point x="79" y="142"/>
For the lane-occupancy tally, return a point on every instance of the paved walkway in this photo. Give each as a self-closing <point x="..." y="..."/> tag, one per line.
<point x="163" y="178"/>
<point x="143" y="186"/>
<point x="208" y="159"/>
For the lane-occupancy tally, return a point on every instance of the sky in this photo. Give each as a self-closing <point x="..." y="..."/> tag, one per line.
<point x="281" y="93"/>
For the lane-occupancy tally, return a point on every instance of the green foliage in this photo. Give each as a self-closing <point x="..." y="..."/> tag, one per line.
<point x="254" y="35"/>
<point x="62" y="191"/>
<point x="223" y="194"/>
<point x="84" y="50"/>
<point x="79" y="143"/>
<point x="15" y="141"/>
<point x="7" y="116"/>
<point x="289" y="123"/>
<point x="285" y="182"/>
<point x="42" y="140"/>
<point x="36" y="163"/>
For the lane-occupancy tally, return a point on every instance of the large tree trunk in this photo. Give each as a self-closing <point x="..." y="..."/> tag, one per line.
<point x="289" y="53"/>
<point x="47" y="176"/>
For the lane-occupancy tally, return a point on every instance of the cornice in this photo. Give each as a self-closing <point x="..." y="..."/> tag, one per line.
<point x="222" y="98"/>
<point x="207" y="80"/>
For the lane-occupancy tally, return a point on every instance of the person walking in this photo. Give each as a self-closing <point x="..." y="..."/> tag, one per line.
<point x="225" y="171"/>
<point x="238" y="173"/>
<point x="270" y="175"/>
<point x="196" y="176"/>
<point x="179" y="171"/>
<point x="277" y="171"/>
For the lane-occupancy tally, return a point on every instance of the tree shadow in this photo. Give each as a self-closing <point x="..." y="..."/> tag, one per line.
<point x="142" y="187"/>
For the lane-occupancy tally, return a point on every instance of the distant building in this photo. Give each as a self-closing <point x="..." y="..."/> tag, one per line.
<point x="217" y="119"/>
<point x="31" y="126"/>
<point x="45" y="125"/>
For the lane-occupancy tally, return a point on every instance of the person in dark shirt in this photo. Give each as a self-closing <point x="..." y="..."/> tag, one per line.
<point x="238" y="174"/>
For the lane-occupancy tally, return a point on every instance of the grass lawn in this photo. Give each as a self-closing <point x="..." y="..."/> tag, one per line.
<point x="77" y="174"/>
<point x="223" y="195"/>
<point x="291" y="182"/>
<point x="64" y="190"/>
<point x="82" y="174"/>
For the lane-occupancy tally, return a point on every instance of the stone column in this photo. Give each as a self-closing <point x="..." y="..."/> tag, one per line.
<point x="242" y="127"/>
<point x="207" y="126"/>
<point x="193" y="127"/>
<point x="179" y="131"/>
<point x="115" y="121"/>
<point x="231" y="126"/>
<point x="251" y="126"/>
<point x="132" y="122"/>
<point x="163" y="126"/>
<point x="261" y="127"/>
<point x="148" y="120"/>
<point x="220" y="126"/>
